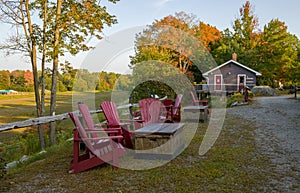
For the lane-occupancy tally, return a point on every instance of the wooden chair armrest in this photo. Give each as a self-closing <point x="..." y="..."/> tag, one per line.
<point x="100" y="124"/>
<point x="177" y="107"/>
<point x="99" y="138"/>
<point x="125" y="122"/>
<point x="137" y="119"/>
<point x="102" y="131"/>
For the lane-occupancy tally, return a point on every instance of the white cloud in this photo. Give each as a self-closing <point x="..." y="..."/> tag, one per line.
<point x="162" y="3"/>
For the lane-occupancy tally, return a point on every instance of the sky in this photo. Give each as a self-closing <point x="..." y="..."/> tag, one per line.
<point x="133" y="15"/>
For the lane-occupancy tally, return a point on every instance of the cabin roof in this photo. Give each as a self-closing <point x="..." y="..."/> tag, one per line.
<point x="235" y="62"/>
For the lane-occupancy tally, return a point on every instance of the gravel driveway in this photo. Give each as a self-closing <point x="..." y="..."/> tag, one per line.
<point x="277" y="120"/>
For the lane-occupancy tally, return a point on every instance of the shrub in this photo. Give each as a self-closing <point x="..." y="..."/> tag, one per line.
<point x="237" y="97"/>
<point x="2" y="166"/>
<point x="150" y="87"/>
<point x="30" y="143"/>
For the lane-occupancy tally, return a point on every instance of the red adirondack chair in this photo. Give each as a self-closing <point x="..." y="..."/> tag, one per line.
<point x="173" y="108"/>
<point x="84" y="110"/>
<point x="152" y="111"/>
<point x="110" y="112"/>
<point x="196" y="101"/>
<point x="99" y="150"/>
<point x="157" y="112"/>
<point x="144" y="105"/>
<point x="176" y="114"/>
<point x="168" y="104"/>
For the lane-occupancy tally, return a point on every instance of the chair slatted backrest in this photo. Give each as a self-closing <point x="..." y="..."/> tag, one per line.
<point x="102" y="147"/>
<point x="193" y="97"/>
<point x="81" y="131"/>
<point x="155" y="110"/>
<point x="110" y="112"/>
<point x="177" y="103"/>
<point x="84" y="110"/>
<point x="144" y="105"/>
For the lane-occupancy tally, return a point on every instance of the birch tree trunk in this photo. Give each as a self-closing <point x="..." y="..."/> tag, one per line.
<point x="54" y="72"/>
<point x="33" y="56"/>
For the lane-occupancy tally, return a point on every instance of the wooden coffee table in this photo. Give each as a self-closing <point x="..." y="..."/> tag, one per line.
<point x="159" y="141"/>
<point x="203" y="110"/>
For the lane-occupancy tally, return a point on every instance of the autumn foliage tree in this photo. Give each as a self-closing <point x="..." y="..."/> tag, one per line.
<point x="28" y="76"/>
<point x="177" y="40"/>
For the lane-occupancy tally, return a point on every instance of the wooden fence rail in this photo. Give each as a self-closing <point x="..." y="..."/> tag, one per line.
<point x="48" y="119"/>
<point x="38" y="121"/>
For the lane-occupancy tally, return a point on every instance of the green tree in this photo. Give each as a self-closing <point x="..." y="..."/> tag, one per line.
<point x="293" y="71"/>
<point x="246" y="34"/>
<point x="18" y="14"/>
<point x="272" y="51"/>
<point x="86" y="81"/>
<point x="4" y="79"/>
<point x="278" y="53"/>
<point x="102" y="83"/>
<point x="81" y="85"/>
<point x="64" y="25"/>
<point x="112" y="79"/>
<point x="17" y="80"/>
<point x="67" y="75"/>
<point x="156" y="77"/>
<point x="224" y="47"/>
<point x="73" y="23"/>
<point x="243" y="40"/>
<point x="123" y="83"/>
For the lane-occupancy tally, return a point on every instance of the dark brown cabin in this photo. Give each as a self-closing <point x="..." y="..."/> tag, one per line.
<point x="228" y="77"/>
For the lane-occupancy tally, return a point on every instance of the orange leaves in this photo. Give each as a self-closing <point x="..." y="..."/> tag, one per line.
<point x="209" y="34"/>
<point x="28" y="75"/>
<point x="181" y="40"/>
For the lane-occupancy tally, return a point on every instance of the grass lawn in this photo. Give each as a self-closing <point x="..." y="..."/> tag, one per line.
<point x="21" y="107"/>
<point x="232" y="165"/>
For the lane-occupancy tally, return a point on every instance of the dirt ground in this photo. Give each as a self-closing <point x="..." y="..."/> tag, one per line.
<point x="277" y="120"/>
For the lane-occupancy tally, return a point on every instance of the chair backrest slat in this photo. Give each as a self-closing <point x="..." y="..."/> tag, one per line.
<point x="144" y="105"/>
<point x="84" y="110"/>
<point x="155" y="110"/>
<point x="195" y="102"/>
<point x="110" y="112"/>
<point x="177" y="103"/>
<point x="81" y="130"/>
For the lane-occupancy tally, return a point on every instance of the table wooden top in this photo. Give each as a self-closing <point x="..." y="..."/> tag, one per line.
<point x="160" y="128"/>
<point x="195" y="107"/>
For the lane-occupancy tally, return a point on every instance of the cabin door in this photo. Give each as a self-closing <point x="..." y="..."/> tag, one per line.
<point x="241" y="81"/>
<point x="218" y="82"/>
